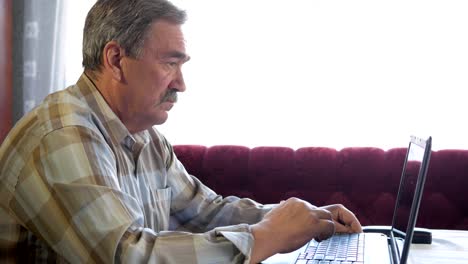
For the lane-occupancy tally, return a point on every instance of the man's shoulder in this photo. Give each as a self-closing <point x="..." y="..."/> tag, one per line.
<point x="58" y="110"/>
<point x="65" y="108"/>
<point x="62" y="109"/>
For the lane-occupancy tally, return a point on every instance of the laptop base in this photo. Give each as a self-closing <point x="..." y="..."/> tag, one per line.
<point x="376" y="251"/>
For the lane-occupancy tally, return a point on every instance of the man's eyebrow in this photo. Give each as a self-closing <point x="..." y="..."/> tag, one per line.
<point x="178" y="55"/>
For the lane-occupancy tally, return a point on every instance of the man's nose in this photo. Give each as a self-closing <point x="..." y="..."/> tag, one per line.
<point x="178" y="83"/>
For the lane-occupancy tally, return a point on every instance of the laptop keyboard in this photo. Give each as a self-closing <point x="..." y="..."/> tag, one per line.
<point x="339" y="249"/>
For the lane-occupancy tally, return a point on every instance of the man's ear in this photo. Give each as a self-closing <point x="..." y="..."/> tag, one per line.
<point x="112" y="58"/>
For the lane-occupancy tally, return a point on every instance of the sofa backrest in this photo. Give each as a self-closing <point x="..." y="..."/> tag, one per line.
<point x="363" y="179"/>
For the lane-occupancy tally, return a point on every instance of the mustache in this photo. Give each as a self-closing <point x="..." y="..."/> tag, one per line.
<point x="171" y="95"/>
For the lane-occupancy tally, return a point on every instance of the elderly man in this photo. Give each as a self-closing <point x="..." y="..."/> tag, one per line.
<point x="86" y="177"/>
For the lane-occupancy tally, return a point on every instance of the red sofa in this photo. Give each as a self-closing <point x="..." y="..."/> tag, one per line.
<point x="363" y="179"/>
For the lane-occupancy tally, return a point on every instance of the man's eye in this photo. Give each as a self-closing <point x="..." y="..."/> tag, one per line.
<point x="172" y="64"/>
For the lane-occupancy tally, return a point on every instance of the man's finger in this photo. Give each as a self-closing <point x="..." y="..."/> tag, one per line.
<point x="341" y="228"/>
<point x="348" y="221"/>
<point x="323" y="214"/>
<point x="327" y="228"/>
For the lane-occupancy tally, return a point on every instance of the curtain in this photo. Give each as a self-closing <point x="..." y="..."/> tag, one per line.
<point x="37" y="52"/>
<point x="5" y="67"/>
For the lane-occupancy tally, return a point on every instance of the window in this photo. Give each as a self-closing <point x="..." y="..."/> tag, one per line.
<point x="322" y="73"/>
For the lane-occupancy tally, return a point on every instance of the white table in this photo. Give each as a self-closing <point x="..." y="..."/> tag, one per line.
<point x="448" y="247"/>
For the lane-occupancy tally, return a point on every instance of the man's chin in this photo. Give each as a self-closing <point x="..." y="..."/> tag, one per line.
<point x="161" y="119"/>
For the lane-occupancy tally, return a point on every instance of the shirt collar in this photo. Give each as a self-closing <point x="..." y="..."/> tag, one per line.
<point x="116" y="129"/>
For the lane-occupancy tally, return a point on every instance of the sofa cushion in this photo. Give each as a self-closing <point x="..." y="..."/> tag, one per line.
<point x="364" y="179"/>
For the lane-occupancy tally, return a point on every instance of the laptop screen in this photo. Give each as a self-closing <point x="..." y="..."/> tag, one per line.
<point x="410" y="192"/>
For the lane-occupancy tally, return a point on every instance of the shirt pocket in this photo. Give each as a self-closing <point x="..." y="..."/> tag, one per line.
<point x="160" y="209"/>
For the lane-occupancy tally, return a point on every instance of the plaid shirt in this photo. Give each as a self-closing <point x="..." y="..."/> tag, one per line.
<point x="76" y="186"/>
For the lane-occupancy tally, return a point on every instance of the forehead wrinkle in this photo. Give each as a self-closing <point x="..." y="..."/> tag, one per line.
<point x="163" y="48"/>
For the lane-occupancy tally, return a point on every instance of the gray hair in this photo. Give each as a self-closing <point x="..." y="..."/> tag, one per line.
<point x="125" y="21"/>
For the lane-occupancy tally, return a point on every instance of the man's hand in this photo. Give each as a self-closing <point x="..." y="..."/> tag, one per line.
<point x="345" y="221"/>
<point x="294" y="222"/>
<point x="288" y="226"/>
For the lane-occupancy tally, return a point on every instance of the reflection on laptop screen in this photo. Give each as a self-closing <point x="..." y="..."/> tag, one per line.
<point x="405" y="197"/>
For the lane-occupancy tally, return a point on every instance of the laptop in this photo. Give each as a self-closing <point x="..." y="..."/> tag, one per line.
<point x="378" y="244"/>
